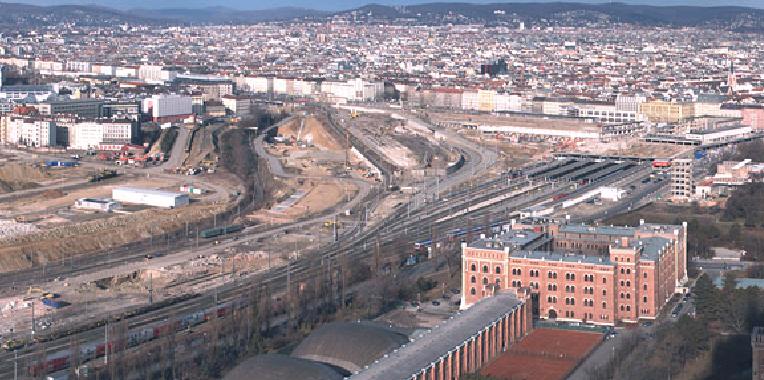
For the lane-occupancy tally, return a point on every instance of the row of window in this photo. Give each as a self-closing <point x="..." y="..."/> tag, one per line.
<point x="572" y="314"/>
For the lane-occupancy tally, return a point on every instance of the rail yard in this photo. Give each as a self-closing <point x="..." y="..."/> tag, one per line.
<point x="182" y="281"/>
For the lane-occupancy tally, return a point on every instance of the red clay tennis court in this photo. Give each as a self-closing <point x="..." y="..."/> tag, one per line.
<point x="545" y="354"/>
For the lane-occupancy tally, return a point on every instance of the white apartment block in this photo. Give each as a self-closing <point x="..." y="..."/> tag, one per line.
<point x="95" y="134"/>
<point x="156" y="74"/>
<point x="607" y="114"/>
<point x="491" y="101"/>
<point x="353" y="90"/>
<point x="629" y="103"/>
<point x="29" y="132"/>
<point x="127" y="72"/>
<point x="238" y="105"/>
<point x="255" y="84"/>
<point x="164" y="105"/>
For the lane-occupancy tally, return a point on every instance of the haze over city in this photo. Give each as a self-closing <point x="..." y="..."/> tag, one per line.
<point x="347" y="4"/>
<point x="341" y="190"/>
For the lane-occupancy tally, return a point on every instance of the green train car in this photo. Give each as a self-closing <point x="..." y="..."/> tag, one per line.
<point x="214" y="232"/>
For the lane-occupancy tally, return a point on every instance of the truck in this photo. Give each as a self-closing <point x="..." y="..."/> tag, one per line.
<point x="214" y="232"/>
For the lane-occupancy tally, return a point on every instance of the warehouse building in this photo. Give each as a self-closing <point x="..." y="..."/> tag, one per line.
<point x="95" y="204"/>
<point x="149" y="197"/>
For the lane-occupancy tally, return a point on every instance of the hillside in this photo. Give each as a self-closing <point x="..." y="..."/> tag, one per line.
<point x="223" y="15"/>
<point x="573" y="14"/>
<point x="15" y="16"/>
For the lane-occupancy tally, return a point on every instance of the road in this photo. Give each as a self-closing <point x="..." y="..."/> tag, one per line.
<point x="178" y="151"/>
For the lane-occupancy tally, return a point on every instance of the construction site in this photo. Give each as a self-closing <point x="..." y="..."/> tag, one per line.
<point x="97" y="251"/>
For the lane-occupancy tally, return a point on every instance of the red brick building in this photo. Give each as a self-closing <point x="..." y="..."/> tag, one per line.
<point x="600" y="275"/>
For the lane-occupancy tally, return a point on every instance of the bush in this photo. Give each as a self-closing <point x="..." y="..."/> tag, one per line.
<point x="168" y="140"/>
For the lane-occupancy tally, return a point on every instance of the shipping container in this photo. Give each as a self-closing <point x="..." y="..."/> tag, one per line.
<point x="53" y="163"/>
<point x="53" y="303"/>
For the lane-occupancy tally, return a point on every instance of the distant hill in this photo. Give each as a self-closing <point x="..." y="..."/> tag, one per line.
<point x="727" y="17"/>
<point x="14" y="16"/>
<point x="223" y="15"/>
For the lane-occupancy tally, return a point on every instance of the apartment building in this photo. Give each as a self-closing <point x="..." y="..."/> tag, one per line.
<point x="86" y="108"/>
<point x="164" y="107"/>
<point x="102" y="134"/>
<point x="239" y="105"/>
<point x="681" y="182"/>
<point x="29" y="131"/>
<point x="659" y="111"/>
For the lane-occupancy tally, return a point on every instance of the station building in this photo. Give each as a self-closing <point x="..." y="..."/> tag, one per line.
<point x="594" y="274"/>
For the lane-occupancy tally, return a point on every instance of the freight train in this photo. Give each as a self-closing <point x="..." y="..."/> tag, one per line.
<point x="92" y="350"/>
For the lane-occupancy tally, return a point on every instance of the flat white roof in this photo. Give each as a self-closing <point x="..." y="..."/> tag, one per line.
<point x="156" y="192"/>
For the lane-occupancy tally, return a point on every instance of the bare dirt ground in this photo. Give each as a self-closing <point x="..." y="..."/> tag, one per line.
<point x="47" y="201"/>
<point x="315" y="157"/>
<point x="16" y="176"/>
<point x="633" y="148"/>
<point x="310" y="131"/>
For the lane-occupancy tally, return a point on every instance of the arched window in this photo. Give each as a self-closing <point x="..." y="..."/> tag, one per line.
<point x="485" y="280"/>
<point x="628" y="308"/>
<point x="473" y="267"/>
<point x="485" y="268"/>
<point x="604" y="305"/>
<point x="472" y="291"/>
<point x="498" y="270"/>
<point x="473" y="279"/>
<point x="604" y="292"/>
<point x="628" y="296"/>
<point x="519" y="271"/>
<point x="628" y="283"/>
<point x="628" y="271"/>
<point x="604" y="280"/>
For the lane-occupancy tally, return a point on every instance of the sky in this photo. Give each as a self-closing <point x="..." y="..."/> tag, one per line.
<point x="343" y="4"/>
